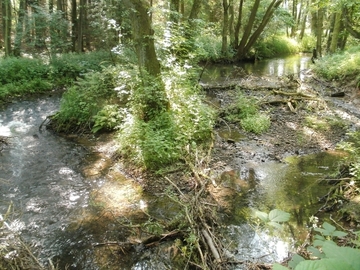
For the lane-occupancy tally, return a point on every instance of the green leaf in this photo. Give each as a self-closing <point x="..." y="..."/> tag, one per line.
<point x="262" y="215"/>
<point x="277" y="266"/>
<point x="328" y="228"/>
<point x="276" y="225"/>
<point x="295" y="260"/>
<point x="346" y="254"/>
<point x="324" y="264"/>
<point x="339" y="234"/>
<point x="315" y="252"/>
<point x="277" y="215"/>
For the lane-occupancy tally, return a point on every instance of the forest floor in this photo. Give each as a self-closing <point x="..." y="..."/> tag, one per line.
<point x="305" y="119"/>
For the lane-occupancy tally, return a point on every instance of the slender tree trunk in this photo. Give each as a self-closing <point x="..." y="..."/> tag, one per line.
<point x="314" y="19"/>
<point x="294" y="14"/>
<point x="2" y="24"/>
<point x="238" y="25"/>
<point x="154" y="96"/>
<point x="20" y="27"/>
<point x="175" y="11"/>
<point x="248" y="41"/>
<point x="231" y="21"/>
<point x="304" y="20"/>
<point x="6" y="22"/>
<point x="319" y="31"/>
<point x="195" y="9"/>
<point x="74" y="22"/>
<point x="336" y="33"/>
<point x="224" y="44"/>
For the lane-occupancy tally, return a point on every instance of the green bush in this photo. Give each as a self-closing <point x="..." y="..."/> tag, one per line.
<point x="276" y="46"/>
<point x="21" y="76"/>
<point x="163" y="140"/>
<point x="257" y="123"/>
<point x="84" y="100"/>
<point x="307" y="43"/>
<point x="246" y="112"/>
<point x="340" y="66"/>
<point x="20" y="70"/>
<point x="67" y="67"/>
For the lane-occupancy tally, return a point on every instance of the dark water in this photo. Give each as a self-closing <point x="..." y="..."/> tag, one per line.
<point x="60" y="212"/>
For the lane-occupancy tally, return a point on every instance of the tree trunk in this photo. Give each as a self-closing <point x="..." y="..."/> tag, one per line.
<point x="74" y="24"/>
<point x="175" y="11"/>
<point x="248" y="41"/>
<point x="195" y="9"/>
<point x="154" y="97"/>
<point x="238" y="25"/>
<point x="231" y="21"/>
<point x="336" y="32"/>
<point x="224" y="44"/>
<point x="319" y="31"/>
<point x="20" y="27"/>
<point x="6" y="23"/>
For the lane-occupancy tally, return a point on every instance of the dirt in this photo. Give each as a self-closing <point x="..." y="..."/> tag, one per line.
<point x="313" y="122"/>
<point x="291" y="132"/>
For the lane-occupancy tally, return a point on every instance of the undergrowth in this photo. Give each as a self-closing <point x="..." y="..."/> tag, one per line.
<point x="246" y="112"/>
<point x="23" y="76"/>
<point x="340" y="66"/>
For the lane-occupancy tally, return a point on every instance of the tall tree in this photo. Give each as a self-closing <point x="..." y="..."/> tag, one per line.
<point x="224" y="46"/>
<point x="6" y="25"/>
<point x="336" y="32"/>
<point x="20" y="27"/>
<point x="153" y="94"/>
<point x="251" y="34"/>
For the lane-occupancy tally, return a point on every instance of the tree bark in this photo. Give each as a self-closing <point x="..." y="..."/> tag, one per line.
<point x="6" y="24"/>
<point x="20" y="27"/>
<point x="248" y="41"/>
<point x="224" y="44"/>
<point x="238" y="25"/>
<point x="319" y="31"/>
<point x="336" y="32"/>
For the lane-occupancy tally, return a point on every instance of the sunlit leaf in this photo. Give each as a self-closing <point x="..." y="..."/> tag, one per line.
<point x="347" y="254"/>
<point x="295" y="260"/>
<point x="339" y="234"/>
<point x="324" y="264"/>
<point x="315" y="252"/>
<point x="277" y="266"/>
<point x="262" y="215"/>
<point x="277" y="215"/>
<point x="275" y="224"/>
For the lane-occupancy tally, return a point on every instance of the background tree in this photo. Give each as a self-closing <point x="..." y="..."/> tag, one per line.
<point x="6" y="25"/>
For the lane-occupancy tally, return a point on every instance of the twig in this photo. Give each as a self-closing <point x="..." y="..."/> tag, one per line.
<point x="211" y="245"/>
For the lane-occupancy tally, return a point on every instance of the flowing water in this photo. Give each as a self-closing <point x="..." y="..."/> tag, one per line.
<point x="60" y="211"/>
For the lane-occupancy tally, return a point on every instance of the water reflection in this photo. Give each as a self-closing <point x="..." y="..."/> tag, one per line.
<point x="291" y="65"/>
<point x="294" y="187"/>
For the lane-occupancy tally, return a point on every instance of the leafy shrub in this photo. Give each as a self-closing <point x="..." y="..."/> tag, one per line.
<point x="108" y="118"/>
<point x="307" y="43"/>
<point x="329" y="255"/>
<point x="257" y="123"/>
<point x="21" y="70"/>
<point x="276" y="46"/>
<point x="67" y="67"/>
<point x="162" y="140"/>
<point x="83" y="101"/>
<point x="246" y="111"/>
<point x="347" y="65"/>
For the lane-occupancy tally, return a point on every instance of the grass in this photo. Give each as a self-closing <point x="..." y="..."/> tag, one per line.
<point x="340" y="66"/>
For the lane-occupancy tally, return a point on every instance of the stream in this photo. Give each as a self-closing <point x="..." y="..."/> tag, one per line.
<point x="58" y="208"/>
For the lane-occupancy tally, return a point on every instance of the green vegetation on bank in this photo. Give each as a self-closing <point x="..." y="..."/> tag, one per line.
<point x="23" y="76"/>
<point x="344" y="66"/>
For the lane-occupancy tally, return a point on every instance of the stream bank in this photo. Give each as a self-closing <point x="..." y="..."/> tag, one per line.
<point x="106" y="208"/>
